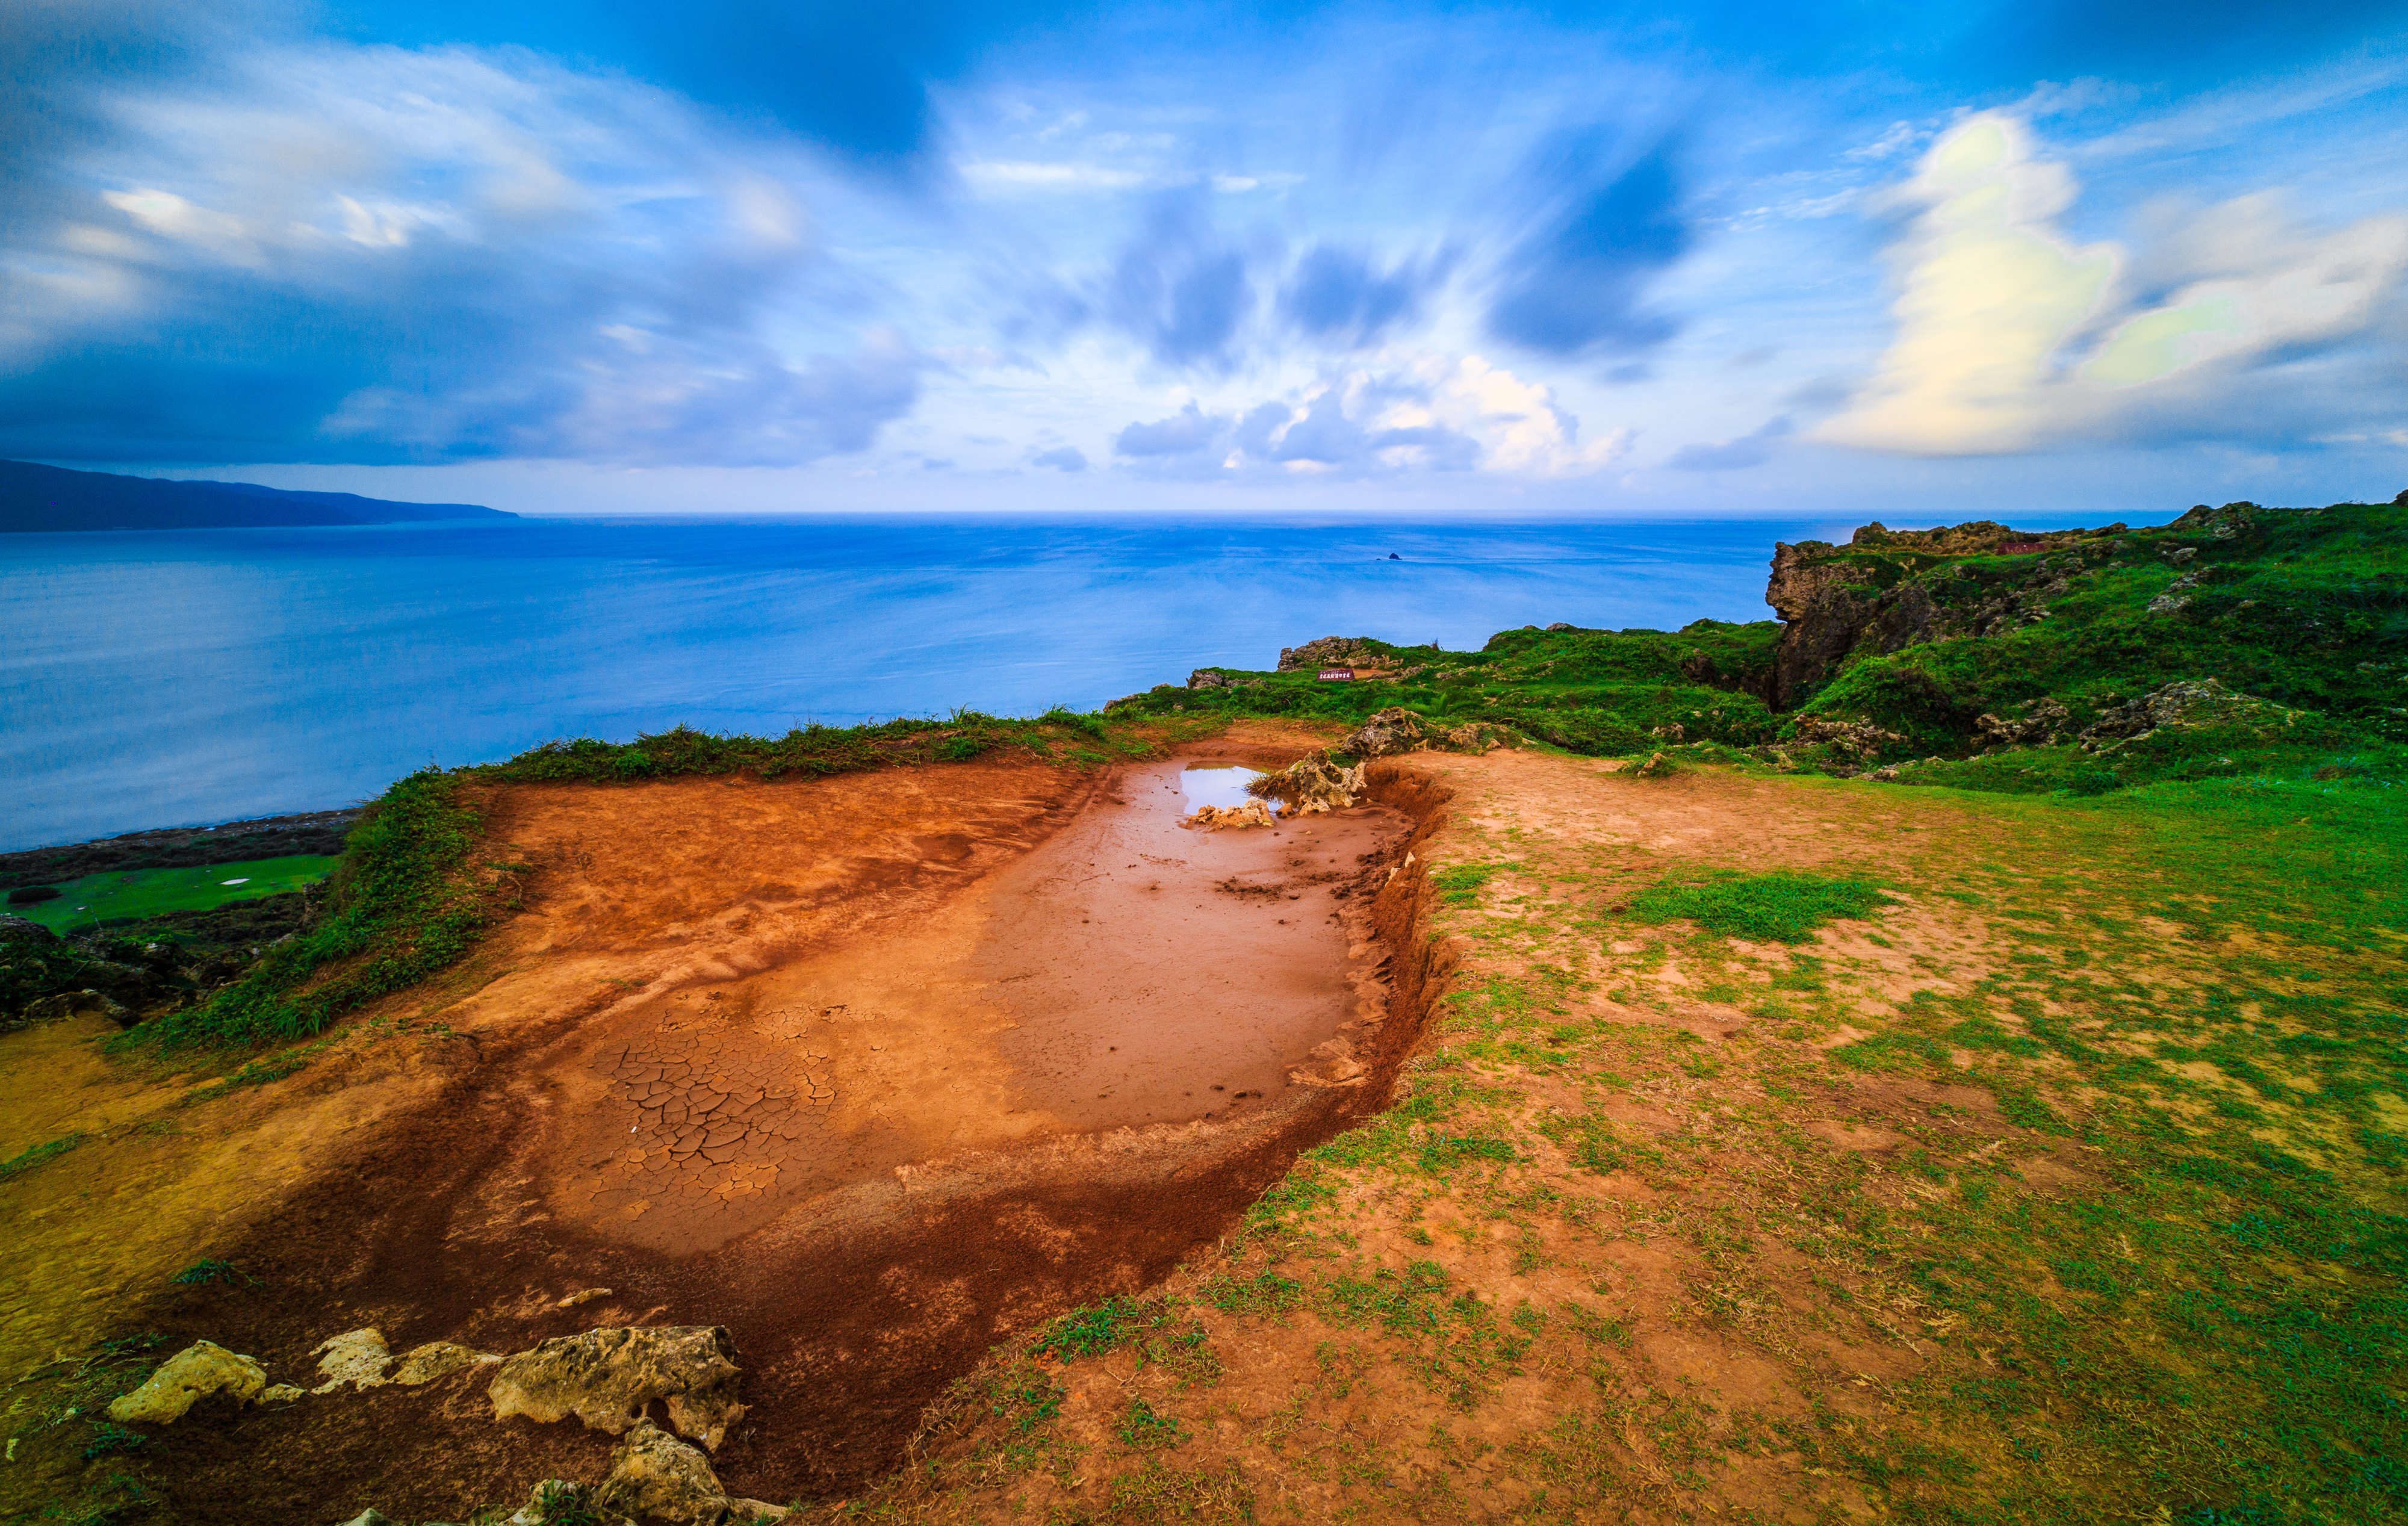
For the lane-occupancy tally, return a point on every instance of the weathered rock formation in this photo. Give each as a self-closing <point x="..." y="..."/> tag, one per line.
<point x="2038" y="724"/>
<point x="1329" y="651"/>
<point x="606" y="1378"/>
<point x="655" y="1476"/>
<point x="436" y="1359"/>
<point x="1311" y="785"/>
<point x="357" y="1357"/>
<point x="2184" y="704"/>
<point x="1396" y="730"/>
<point x="192" y="1374"/>
<point x="1253" y="813"/>
<point x="1865" y="596"/>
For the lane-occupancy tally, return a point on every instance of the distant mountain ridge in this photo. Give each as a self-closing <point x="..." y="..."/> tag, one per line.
<point x="53" y="498"/>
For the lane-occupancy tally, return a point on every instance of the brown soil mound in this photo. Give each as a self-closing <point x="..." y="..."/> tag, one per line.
<point x="872" y="1071"/>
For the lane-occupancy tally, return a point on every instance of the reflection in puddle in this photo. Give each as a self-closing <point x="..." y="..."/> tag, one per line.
<point x="1223" y="787"/>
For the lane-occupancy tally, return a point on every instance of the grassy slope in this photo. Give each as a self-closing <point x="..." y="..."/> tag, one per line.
<point x="2067" y="1188"/>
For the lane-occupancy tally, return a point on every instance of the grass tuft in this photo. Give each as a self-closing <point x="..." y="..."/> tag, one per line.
<point x="1779" y="907"/>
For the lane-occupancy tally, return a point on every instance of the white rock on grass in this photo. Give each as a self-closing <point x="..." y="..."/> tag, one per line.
<point x="193" y="1374"/>
<point x="606" y="1378"/>
<point x="357" y="1357"/>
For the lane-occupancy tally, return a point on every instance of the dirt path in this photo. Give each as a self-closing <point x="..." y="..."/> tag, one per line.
<point x="873" y="1071"/>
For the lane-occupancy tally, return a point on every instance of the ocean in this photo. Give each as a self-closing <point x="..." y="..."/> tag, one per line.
<point x="152" y="680"/>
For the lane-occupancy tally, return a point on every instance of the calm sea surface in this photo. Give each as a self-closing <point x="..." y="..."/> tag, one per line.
<point x="169" y="679"/>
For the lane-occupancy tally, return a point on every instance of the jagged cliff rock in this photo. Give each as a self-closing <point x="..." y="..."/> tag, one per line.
<point x="1867" y="596"/>
<point x="1329" y="652"/>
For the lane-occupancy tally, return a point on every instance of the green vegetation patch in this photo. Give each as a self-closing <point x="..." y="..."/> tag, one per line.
<point x="133" y="895"/>
<point x="1458" y="884"/>
<point x="1097" y="1329"/>
<point x="49" y="1149"/>
<point x="407" y="901"/>
<point x="1779" y="907"/>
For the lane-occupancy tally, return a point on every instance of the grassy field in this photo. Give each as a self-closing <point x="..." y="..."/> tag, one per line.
<point x="1890" y="1153"/>
<point x="132" y="894"/>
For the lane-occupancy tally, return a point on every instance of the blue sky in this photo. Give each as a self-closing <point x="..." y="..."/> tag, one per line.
<point x="1735" y="257"/>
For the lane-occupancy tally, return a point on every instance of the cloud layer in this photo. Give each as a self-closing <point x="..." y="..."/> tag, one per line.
<point x="381" y="254"/>
<point x="1589" y="261"/>
<point x="2010" y="336"/>
<point x="1410" y="414"/>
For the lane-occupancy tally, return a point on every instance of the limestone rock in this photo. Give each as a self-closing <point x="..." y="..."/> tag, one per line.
<point x="1205" y="678"/>
<point x="606" y="1378"/>
<point x="1329" y="652"/>
<point x="1869" y="595"/>
<point x="193" y="1374"/>
<point x="1253" y="813"/>
<point x="357" y="1357"/>
<point x="1311" y="785"/>
<point x="1859" y="739"/>
<point x="1388" y="732"/>
<point x="2041" y="722"/>
<point x="282" y="1393"/>
<point x="655" y="1476"/>
<point x="436" y="1359"/>
<point x="372" y="1517"/>
<point x="1396" y="730"/>
<point x="2183" y="703"/>
<point x="1656" y="766"/>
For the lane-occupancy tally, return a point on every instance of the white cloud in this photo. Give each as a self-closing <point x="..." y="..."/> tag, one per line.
<point x="170" y="216"/>
<point x="1005" y="175"/>
<point x="2010" y="336"/>
<point x="1407" y="414"/>
<point x="2255" y="284"/>
<point x="580" y="263"/>
<point x="1988" y="289"/>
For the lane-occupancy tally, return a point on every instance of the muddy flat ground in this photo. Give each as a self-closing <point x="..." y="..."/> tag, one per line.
<point x="873" y="1070"/>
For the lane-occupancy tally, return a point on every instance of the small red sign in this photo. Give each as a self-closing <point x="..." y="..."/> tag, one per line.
<point x="1337" y="675"/>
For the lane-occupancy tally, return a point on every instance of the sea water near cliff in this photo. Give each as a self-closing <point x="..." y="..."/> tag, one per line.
<point x="172" y="679"/>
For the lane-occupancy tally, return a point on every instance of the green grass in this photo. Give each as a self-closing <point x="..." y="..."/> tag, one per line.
<point x="26" y="1159"/>
<point x="132" y="894"/>
<point x="2307" y="610"/>
<point x="1094" y="1330"/>
<point x="1780" y="908"/>
<point x="408" y="900"/>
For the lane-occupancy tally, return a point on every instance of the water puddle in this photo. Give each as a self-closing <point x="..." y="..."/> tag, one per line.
<point x="1223" y="785"/>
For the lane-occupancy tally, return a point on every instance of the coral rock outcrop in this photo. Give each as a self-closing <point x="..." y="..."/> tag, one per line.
<point x="655" y="1476"/>
<point x="192" y="1374"/>
<point x="606" y="1378"/>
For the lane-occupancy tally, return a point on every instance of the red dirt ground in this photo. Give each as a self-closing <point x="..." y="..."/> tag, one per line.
<point x="874" y="1071"/>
